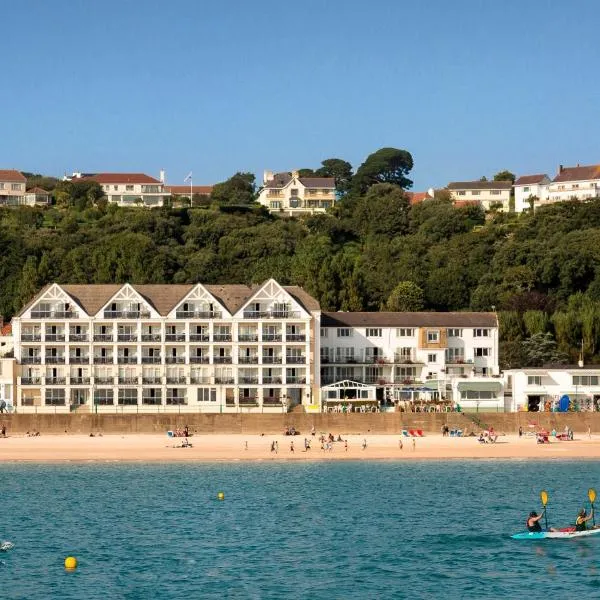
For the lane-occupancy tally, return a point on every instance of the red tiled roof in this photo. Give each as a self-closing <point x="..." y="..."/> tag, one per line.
<point x="11" y="175"/>
<point x="530" y="179"/>
<point x="6" y="330"/>
<point x="417" y="197"/>
<point x="184" y="190"/>
<point x="578" y="173"/>
<point x="120" y="178"/>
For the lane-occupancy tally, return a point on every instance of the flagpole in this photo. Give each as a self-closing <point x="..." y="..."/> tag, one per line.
<point x="191" y="194"/>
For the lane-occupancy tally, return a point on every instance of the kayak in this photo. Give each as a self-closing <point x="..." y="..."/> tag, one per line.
<point x="541" y="535"/>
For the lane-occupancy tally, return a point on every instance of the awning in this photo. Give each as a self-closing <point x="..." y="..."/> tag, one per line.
<point x="479" y="386"/>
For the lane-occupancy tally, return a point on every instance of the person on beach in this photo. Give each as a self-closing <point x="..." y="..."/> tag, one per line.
<point x="346" y="445"/>
<point x="520" y="431"/>
<point x="400" y="444"/>
<point x="272" y="446"/>
<point x="246" y="445"/>
<point x="364" y="444"/>
<point x="414" y="444"/>
<point x="276" y="447"/>
<point x="292" y="446"/>
<point x="312" y="430"/>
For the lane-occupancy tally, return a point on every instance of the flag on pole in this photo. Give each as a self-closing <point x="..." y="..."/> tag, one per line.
<point x="188" y="178"/>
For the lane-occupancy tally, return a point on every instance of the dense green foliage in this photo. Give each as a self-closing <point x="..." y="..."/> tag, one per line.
<point x="374" y="251"/>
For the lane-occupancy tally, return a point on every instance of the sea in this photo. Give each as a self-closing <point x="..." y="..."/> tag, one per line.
<point x="315" y="530"/>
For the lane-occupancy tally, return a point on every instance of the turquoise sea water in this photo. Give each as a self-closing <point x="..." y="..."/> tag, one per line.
<point x="314" y="530"/>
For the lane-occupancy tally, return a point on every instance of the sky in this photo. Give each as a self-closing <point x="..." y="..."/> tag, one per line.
<point x="468" y="87"/>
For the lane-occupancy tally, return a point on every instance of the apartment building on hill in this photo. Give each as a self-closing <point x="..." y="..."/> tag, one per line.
<point x="489" y="194"/>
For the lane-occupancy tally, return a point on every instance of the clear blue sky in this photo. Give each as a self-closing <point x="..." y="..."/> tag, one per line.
<point x="468" y="87"/>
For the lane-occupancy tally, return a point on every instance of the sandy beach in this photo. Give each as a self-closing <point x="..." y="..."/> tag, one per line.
<point x="161" y="448"/>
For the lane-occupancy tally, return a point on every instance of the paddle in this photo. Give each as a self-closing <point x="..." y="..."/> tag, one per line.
<point x="592" y="497"/>
<point x="544" y="498"/>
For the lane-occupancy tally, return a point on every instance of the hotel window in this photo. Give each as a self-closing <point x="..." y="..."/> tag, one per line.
<point x="454" y="332"/>
<point x="526" y="189"/>
<point x="482" y="352"/>
<point x="454" y="355"/>
<point x="294" y="192"/>
<point x="2" y="186"/>
<point x="585" y="379"/>
<point x="433" y="337"/>
<point x="323" y="332"/>
<point x="405" y="332"/>
<point x="461" y="193"/>
<point x="374" y="332"/>
<point x="344" y="332"/>
<point x="274" y="204"/>
<point x="494" y="192"/>
<point x="534" y="380"/>
<point x="115" y="187"/>
<point x="481" y="333"/>
<point x="432" y="358"/>
<point x="475" y="193"/>
<point x="129" y="188"/>
<point x="207" y="394"/>
<point x="15" y="187"/>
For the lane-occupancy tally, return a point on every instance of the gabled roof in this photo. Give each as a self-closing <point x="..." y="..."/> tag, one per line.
<point x="120" y="178"/>
<point x="531" y="179"/>
<point x="480" y="185"/>
<point x="578" y="173"/>
<point x="179" y="190"/>
<point x="280" y="180"/>
<point x="12" y="175"/>
<point x="408" y="319"/>
<point x="303" y="297"/>
<point x="38" y="190"/>
<point x="417" y="197"/>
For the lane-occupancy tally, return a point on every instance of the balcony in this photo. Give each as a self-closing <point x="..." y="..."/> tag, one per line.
<point x="126" y="337"/>
<point x="248" y="337"/>
<point x="55" y="360"/>
<point x="104" y="380"/>
<point x="295" y="360"/>
<point x="198" y="379"/>
<point x="151" y="360"/>
<point x="31" y="360"/>
<point x="198" y="314"/>
<point x="174" y="337"/>
<point x="78" y="337"/>
<point x="283" y="314"/>
<point x="295" y="379"/>
<point x="150" y="337"/>
<point x="255" y="314"/>
<point x="79" y="380"/>
<point x="31" y="380"/>
<point x="222" y="337"/>
<point x="55" y="380"/>
<point x="271" y="360"/>
<point x="248" y="380"/>
<point x="270" y="380"/>
<point x="103" y="337"/>
<point x="128" y="380"/>
<point x="271" y="401"/>
<point x="199" y="337"/>
<point x="152" y="400"/>
<point x="404" y="359"/>
<point x="31" y="337"/>
<point x="52" y="314"/>
<point x="376" y="359"/>
<point x="199" y="360"/>
<point x="295" y="337"/>
<point x="248" y="401"/>
<point x="248" y="360"/>
<point x="151" y="380"/>
<point x="271" y="337"/>
<point x="126" y="314"/>
<point x="224" y="380"/>
<point x="55" y="337"/>
<point x="376" y="380"/>
<point x="175" y="360"/>
<point x="175" y="379"/>
<point x="222" y="360"/>
<point x="79" y="360"/>
<point x="103" y="360"/>
<point x="176" y="401"/>
<point x="127" y="360"/>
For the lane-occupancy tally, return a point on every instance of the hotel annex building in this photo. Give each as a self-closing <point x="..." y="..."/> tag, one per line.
<point x="231" y="348"/>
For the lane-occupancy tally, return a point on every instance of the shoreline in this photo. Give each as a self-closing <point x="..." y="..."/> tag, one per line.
<point x="223" y="448"/>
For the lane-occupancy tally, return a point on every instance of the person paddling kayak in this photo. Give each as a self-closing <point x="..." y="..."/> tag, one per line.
<point x="533" y="522"/>
<point x="582" y="519"/>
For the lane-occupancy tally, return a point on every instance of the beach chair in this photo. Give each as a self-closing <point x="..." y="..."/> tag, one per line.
<point x="459" y="433"/>
<point x="412" y="433"/>
<point x="170" y="434"/>
<point x="405" y="433"/>
<point x="419" y="432"/>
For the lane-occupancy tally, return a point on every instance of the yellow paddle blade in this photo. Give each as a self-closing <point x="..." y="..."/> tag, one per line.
<point x="544" y="497"/>
<point x="592" y="495"/>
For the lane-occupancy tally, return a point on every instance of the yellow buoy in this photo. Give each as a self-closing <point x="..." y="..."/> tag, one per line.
<point x="70" y="562"/>
<point x="220" y="496"/>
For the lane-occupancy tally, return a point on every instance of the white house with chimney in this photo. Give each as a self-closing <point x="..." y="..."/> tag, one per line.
<point x="291" y="195"/>
<point x="575" y="183"/>
<point x="531" y="191"/>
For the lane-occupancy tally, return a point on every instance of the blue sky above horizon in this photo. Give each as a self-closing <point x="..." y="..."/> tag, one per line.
<point x="468" y="87"/>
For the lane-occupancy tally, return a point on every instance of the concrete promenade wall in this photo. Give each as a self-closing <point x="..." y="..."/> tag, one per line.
<point x="391" y="423"/>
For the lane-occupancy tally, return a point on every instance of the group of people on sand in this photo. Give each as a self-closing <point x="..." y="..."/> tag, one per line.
<point x="185" y="432"/>
<point x="534" y="526"/>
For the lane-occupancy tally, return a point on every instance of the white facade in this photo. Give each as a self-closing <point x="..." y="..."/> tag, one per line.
<point x="531" y="186"/>
<point x="291" y="195"/>
<point x="8" y="380"/>
<point x="162" y="348"/>
<point x="453" y="355"/>
<point x="540" y="389"/>
<point x="489" y="194"/>
<point x="575" y="183"/>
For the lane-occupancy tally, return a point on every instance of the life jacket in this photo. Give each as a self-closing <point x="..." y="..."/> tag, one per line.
<point x="535" y="527"/>
<point x="580" y="524"/>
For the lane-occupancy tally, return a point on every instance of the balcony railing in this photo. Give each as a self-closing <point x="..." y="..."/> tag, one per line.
<point x="52" y="314"/>
<point x="174" y="337"/>
<point x="249" y="380"/>
<point x="104" y="380"/>
<point x="224" y="380"/>
<point x="248" y="337"/>
<point x="151" y="380"/>
<point x="126" y="314"/>
<point x="151" y="360"/>
<point x="295" y="360"/>
<point x="128" y="380"/>
<point x="271" y="314"/>
<point x="31" y="337"/>
<point x="103" y="360"/>
<point x="271" y="401"/>
<point x="31" y="360"/>
<point x="199" y="360"/>
<point x="248" y="360"/>
<point x="177" y="401"/>
<point x="222" y="337"/>
<point x="267" y="380"/>
<point x="152" y="400"/>
<point x="79" y="360"/>
<point x="198" y="314"/>
<point x="271" y="337"/>
<point x="103" y="337"/>
<point x="271" y="360"/>
<point x="78" y="337"/>
<point x="150" y="337"/>
<point x="295" y="337"/>
<point x="55" y="360"/>
<point x="79" y="380"/>
<point x="248" y="401"/>
<point x="55" y="380"/>
<point x="55" y="337"/>
<point x="127" y="360"/>
<point x="199" y="337"/>
<point x="199" y="379"/>
<point x="126" y="337"/>
<point x="175" y="360"/>
<point x="176" y="379"/>
<point x="222" y="360"/>
<point x="294" y="379"/>
<point x="31" y="380"/>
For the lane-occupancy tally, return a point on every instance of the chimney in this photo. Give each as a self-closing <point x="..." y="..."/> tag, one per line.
<point x="560" y="169"/>
<point x="295" y="174"/>
<point x="162" y="176"/>
<point x="267" y="176"/>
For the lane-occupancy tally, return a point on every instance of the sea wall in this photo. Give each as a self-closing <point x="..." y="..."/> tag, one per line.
<point x="276" y="423"/>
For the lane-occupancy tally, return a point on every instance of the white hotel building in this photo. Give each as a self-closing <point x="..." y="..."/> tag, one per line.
<point x="130" y="348"/>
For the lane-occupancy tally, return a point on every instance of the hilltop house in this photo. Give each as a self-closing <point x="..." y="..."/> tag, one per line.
<point x="12" y="187"/>
<point x="489" y="194"/>
<point x="531" y="186"/>
<point x="575" y="183"/>
<point x="289" y="194"/>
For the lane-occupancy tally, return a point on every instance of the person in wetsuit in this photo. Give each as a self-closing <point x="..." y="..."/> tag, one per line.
<point x="533" y="522"/>
<point x="582" y="519"/>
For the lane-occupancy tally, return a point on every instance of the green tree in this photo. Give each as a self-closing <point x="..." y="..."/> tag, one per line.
<point x="340" y="170"/>
<point x="505" y="176"/>
<point x="541" y="349"/>
<point x="535" y="321"/>
<point x="384" y="210"/>
<point x="238" y="189"/>
<point x="387" y="165"/>
<point x="406" y="297"/>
